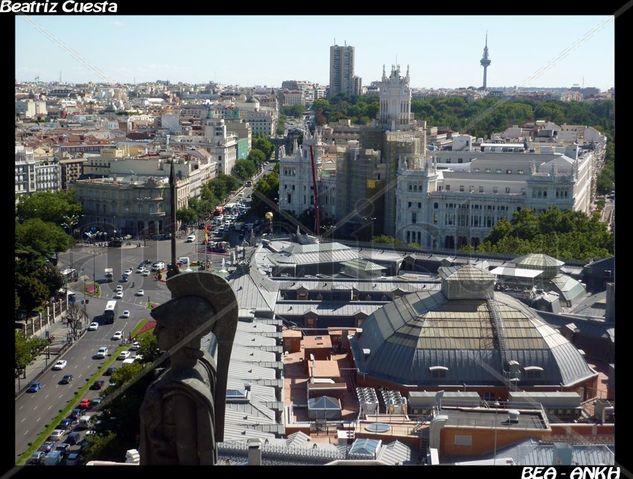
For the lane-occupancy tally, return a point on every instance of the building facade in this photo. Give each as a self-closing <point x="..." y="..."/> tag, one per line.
<point x="341" y="71"/>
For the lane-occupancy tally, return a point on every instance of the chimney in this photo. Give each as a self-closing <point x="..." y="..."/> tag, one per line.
<point x="254" y="452"/>
<point x="437" y="424"/>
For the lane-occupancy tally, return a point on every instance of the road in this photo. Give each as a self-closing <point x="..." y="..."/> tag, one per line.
<point x="35" y="411"/>
<point x="608" y="212"/>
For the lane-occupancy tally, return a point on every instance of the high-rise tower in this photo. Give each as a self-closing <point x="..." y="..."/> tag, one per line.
<point x="342" y="79"/>
<point x="485" y="62"/>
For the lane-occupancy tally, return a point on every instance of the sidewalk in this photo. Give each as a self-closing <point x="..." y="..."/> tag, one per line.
<point x="41" y="363"/>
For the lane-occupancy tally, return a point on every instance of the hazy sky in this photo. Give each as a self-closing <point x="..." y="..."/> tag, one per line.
<point x="442" y="51"/>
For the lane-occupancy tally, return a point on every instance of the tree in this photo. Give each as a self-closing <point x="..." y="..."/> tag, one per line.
<point x="257" y="157"/>
<point x="75" y="317"/>
<point x="244" y="169"/>
<point x="31" y="291"/>
<point x="42" y="237"/>
<point x="260" y="142"/>
<point x="293" y="110"/>
<point x="265" y="194"/>
<point x="149" y="348"/>
<point x="55" y="207"/>
<point x="187" y="215"/>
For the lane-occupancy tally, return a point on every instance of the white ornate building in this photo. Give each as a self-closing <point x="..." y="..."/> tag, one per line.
<point x="456" y="197"/>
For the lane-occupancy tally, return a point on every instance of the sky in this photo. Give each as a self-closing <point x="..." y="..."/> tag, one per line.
<point x="442" y="51"/>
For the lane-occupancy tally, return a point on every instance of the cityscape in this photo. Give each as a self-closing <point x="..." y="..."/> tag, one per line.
<point x="370" y="272"/>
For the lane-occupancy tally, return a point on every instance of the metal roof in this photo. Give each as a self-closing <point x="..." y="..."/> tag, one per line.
<point x="326" y="308"/>
<point x="255" y="291"/>
<point x="395" y="453"/>
<point x="535" y="453"/>
<point x="421" y="330"/>
<point x="537" y="260"/>
<point x="568" y="286"/>
<point x="363" y="265"/>
<point x="516" y="272"/>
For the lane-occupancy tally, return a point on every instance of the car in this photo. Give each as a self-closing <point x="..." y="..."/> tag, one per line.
<point x="84" y="403"/>
<point x="35" y="387"/>
<point x="118" y="295"/>
<point x="73" y="438"/>
<point x="37" y="457"/>
<point x="190" y="239"/>
<point x="112" y="383"/>
<point x="126" y="314"/>
<point x="102" y="353"/>
<point x="140" y="292"/>
<point x="65" y="424"/>
<point x="123" y="279"/>
<point x="75" y="414"/>
<point x="72" y="459"/>
<point x="140" y="269"/>
<point x="48" y="446"/>
<point x="64" y="447"/>
<point x="95" y="402"/>
<point x="109" y="371"/>
<point x="135" y="346"/>
<point x="128" y="271"/>
<point x="145" y="273"/>
<point x="158" y="266"/>
<point x="93" y="326"/>
<point x="61" y="364"/>
<point x="56" y="435"/>
<point x="67" y="379"/>
<point x="124" y="355"/>
<point x="97" y="385"/>
<point x="119" y="287"/>
<point x="117" y="335"/>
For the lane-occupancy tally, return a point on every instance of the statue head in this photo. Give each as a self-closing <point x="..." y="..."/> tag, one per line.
<point x="184" y="316"/>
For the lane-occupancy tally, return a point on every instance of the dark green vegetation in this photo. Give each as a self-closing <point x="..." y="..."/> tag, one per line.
<point x="476" y="117"/>
<point x="265" y="193"/>
<point x="43" y="221"/>
<point x="566" y="235"/>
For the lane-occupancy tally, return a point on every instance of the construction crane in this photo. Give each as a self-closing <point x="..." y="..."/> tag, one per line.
<point x="317" y="219"/>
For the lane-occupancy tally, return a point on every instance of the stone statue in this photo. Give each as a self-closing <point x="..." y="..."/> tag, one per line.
<point x="182" y="416"/>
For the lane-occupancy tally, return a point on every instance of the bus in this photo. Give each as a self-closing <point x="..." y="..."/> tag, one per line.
<point x="70" y="275"/>
<point x="110" y="313"/>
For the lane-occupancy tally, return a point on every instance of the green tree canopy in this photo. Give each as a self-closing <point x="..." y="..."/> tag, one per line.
<point x="187" y="215"/>
<point x="245" y="169"/>
<point x="566" y="235"/>
<point x="59" y="207"/>
<point x="260" y="142"/>
<point x="42" y="237"/>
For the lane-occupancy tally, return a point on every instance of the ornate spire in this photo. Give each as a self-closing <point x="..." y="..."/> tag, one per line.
<point x="384" y="74"/>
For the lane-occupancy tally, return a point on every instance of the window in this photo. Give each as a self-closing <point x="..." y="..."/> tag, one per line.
<point x="439" y="188"/>
<point x="293" y="187"/>
<point x="476" y="170"/>
<point x="488" y="170"/>
<point x="448" y="187"/>
<point x="289" y="198"/>
<point x="419" y="205"/>
<point x="495" y="189"/>
<point x="409" y="204"/>
<point x="471" y="188"/>
<point x="508" y="172"/>
<point x="520" y="172"/>
<point x="410" y="187"/>
<point x="463" y="440"/>
<point x="481" y="189"/>
<point x="507" y="189"/>
<point x="435" y="205"/>
<point x="498" y="171"/>
<point x="459" y="160"/>
<point x="461" y="187"/>
<point x="414" y="218"/>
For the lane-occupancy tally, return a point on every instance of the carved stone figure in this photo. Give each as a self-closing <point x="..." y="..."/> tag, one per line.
<point x="182" y="416"/>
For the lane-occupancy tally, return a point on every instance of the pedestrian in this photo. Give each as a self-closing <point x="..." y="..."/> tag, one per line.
<point x="132" y="284"/>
